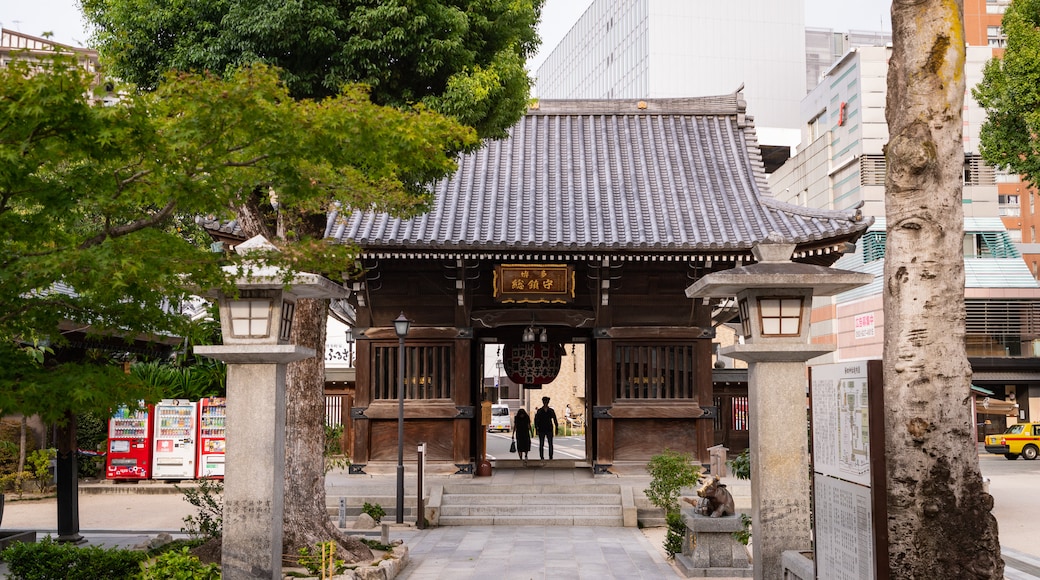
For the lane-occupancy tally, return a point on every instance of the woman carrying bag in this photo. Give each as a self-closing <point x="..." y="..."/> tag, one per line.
<point x="521" y="444"/>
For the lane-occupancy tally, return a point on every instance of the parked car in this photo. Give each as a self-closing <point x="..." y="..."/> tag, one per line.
<point x="500" y="420"/>
<point x="1019" y="439"/>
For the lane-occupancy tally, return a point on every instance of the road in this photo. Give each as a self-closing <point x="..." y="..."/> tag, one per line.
<point x="1015" y="487"/>
<point x="564" y="447"/>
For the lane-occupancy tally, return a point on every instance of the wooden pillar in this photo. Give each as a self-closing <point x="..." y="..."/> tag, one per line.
<point x="604" y="397"/>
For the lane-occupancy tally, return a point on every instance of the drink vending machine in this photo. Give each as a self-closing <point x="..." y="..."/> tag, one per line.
<point x="175" y="432"/>
<point x="129" y="443"/>
<point x="212" y="414"/>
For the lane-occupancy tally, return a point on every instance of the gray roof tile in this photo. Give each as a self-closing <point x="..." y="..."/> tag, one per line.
<point x="677" y="176"/>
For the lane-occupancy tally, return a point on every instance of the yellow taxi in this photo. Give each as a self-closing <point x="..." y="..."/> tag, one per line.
<point x="1019" y="439"/>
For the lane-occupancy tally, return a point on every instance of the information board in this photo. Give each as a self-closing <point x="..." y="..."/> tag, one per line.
<point x="848" y="464"/>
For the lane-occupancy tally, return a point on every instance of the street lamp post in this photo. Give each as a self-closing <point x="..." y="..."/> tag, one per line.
<point x="401" y="324"/>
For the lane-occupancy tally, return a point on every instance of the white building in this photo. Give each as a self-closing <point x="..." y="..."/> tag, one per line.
<point x="841" y="164"/>
<point x="688" y="48"/>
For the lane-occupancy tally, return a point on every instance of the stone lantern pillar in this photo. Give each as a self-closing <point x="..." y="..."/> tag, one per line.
<point x="774" y="297"/>
<point x="255" y="326"/>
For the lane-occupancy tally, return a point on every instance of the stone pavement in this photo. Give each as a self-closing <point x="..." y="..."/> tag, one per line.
<point x="457" y="553"/>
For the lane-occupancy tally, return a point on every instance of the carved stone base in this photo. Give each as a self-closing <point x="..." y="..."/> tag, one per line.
<point x="709" y="548"/>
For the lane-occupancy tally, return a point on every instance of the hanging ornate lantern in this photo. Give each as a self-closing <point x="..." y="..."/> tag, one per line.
<point x="532" y="364"/>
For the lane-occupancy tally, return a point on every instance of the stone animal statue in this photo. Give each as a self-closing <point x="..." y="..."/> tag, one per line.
<point x="716" y="501"/>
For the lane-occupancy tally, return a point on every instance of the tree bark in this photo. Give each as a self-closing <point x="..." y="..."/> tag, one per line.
<point x="939" y="519"/>
<point x="307" y="520"/>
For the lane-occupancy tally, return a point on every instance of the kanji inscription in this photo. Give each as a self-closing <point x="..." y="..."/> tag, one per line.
<point x="534" y="283"/>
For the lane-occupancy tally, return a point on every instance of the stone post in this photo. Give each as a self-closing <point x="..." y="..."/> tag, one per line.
<point x="254" y="469"/>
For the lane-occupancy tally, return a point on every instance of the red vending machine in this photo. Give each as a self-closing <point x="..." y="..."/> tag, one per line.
<point x="173" y="455"/>
<point x="212" y="413"/>
<point x="129" y="444"/>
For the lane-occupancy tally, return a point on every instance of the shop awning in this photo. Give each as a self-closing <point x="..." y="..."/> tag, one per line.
<point x="991" y="406"/>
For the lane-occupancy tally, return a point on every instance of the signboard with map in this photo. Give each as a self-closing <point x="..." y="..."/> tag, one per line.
<point x="848" y="471"/>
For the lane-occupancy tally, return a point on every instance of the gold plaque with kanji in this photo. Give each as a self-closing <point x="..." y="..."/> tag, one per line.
<point x="534" y="283"/>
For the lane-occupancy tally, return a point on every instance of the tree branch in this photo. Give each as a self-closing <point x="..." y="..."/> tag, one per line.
<point x="131" y="227"/>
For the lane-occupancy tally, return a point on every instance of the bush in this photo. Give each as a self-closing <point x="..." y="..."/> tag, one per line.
<point x="50" y="560"/>
<point x="179" y="565"/>
<point x="323" y="562"/>
<point x="741" y="465"/>
<point x="676" y="531"/>
<point x="375" y="510"/>
<point x="208" y="497"/>
<point x="670" y="472"/>
<point x="335" y="456"/>
<point x="14" y="482"/>
<point x="92" y="434"/>
<point x="38" y="463"/>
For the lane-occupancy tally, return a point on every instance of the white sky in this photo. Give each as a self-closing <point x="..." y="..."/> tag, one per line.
<point x="62" y="17"/>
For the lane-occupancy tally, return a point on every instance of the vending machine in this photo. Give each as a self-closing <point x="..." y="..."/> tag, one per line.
<point x="129" y="444"/>
<point x="212" y="413"/>
<point x="173" y="455"/>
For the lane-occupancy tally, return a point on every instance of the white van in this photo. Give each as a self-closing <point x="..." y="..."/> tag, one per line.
<point x="500" y="420"/>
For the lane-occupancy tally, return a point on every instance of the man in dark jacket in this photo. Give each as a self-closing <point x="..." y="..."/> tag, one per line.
<point x="546" y="425"/>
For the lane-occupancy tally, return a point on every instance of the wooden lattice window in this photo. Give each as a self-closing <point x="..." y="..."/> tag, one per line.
<point x="428" y="372"/>
<point x="651" y="372"/>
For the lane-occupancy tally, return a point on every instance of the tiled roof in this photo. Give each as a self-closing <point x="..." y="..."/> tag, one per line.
<point x="660" y="176"/>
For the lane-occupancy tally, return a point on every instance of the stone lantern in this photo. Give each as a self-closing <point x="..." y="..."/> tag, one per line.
<point x="774" y="298"/>
<point x="255" y="326"/>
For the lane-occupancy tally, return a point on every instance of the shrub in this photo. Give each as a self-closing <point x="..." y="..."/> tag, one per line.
<point x="50" y="560"/>
<point x="324" y="562"/>
<point x="14" y="482"/>
<point x="208" y="497"/>
<point x="334" y="455"/>
<point x="92" y="434"/>
<point x="744" y="536"/>
<point x="676" y="531"/>
<point x="670" y="471"/>
<point x="375" y="510"/>
<point x="38" y="463"/>
<point x="741" y="465"/>
<point x="179" y="565"/>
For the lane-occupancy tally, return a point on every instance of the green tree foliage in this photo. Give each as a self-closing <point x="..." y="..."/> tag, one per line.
<point x="89" y="196"/>
<point x="461" y="58"/>
<point x="1010" y="93"/>
<point x="670" y="471"/>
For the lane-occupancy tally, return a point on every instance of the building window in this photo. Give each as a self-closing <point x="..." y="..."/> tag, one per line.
<point x="780" y="316"/>
<point x="654" y="372"/>
<point x="427" y="372"/>
<point x="816" y="127"/>
<point x="1009" y="205"/>
<point x="996" y="6"/>
<point x="995" y="37"/>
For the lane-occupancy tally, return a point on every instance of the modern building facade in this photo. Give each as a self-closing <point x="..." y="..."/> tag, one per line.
<point x="841" y="165"/>
<point x="687" y="48"/>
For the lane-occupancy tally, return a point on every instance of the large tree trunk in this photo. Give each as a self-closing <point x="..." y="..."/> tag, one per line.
<point x="939" y="520"/>
<point x="307" y="520"/>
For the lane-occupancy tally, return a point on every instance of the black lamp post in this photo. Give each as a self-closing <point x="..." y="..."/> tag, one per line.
<point x="401" y="324"/>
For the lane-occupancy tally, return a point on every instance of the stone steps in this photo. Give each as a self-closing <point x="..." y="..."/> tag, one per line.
<point x="530" y="505"/>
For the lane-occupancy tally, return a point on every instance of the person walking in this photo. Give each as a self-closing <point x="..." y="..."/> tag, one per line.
<point x="545" y="424"/>
<point x="522" y="434"/>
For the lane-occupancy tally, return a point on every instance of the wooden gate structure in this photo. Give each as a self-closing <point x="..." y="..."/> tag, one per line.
<point x="585" y="225"/>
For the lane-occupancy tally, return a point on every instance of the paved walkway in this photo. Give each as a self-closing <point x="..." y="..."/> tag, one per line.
<point x="450" y="553"/>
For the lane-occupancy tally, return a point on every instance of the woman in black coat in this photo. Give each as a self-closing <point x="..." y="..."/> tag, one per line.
<point x="522" y="433"/>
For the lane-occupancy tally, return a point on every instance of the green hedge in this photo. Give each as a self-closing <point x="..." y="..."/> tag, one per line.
<point x="50" y="560"/>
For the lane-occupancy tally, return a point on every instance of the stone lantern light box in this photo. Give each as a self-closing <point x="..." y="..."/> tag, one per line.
<point x="260" y="316"/>
<point x="774" y="296"/>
